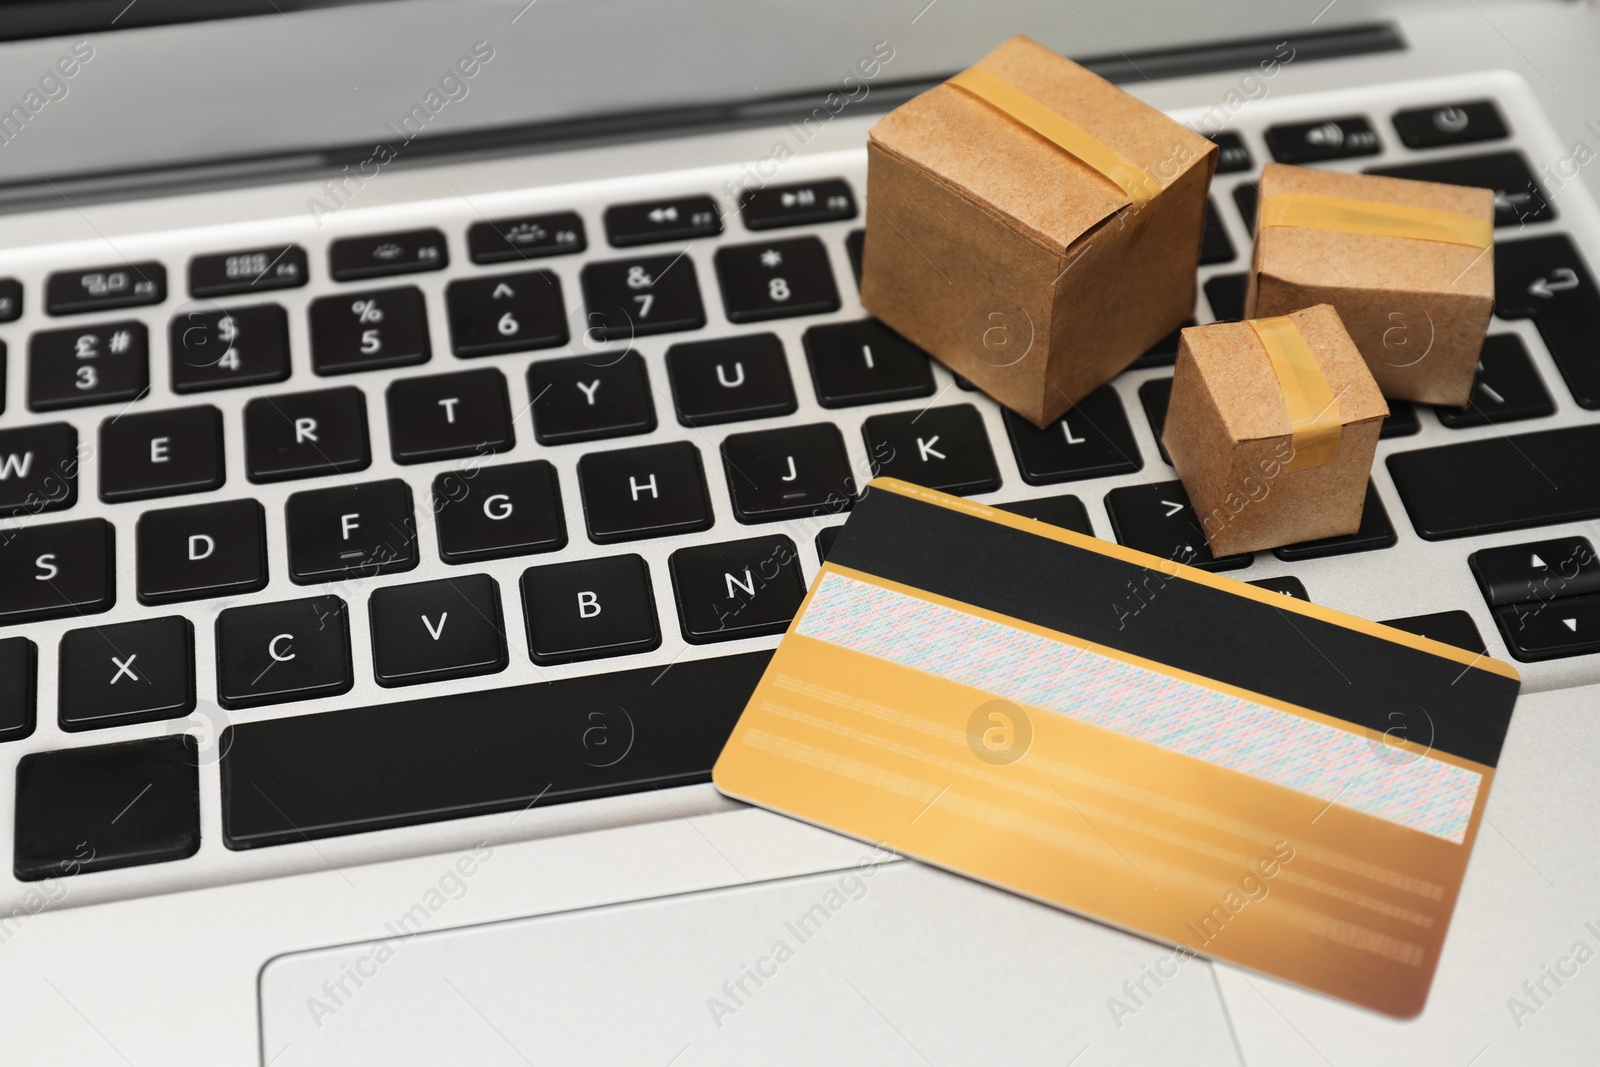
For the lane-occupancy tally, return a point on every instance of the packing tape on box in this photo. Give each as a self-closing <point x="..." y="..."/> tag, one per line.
<point x="1065" y="134"/>
<point x="1378" y="219"/>
<point x="1314" y="421"/>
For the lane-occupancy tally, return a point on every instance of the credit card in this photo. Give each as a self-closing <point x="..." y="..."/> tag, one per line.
<point x="1228" y="770"/>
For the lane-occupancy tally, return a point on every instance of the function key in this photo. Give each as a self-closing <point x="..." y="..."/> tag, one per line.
<point x="506" y="313"/>
<point x="1315" y="142"/>
<point x="73" y="292"/>
<point x="788" y="473"/>
<point x="93" y="365"/>
<point x="865" y="363"/>
<point x="942" y="448"/>
<point x="301" y="435"/>
<point x="1092" y="440"/>
<point x="253" y="271"/>
<point x="1507" y="388"/>
<point x="588" y="609"/>
<point x="1518" y="197"/>
<point x="650" y="221"/>
<point x="350" y="531"/>
<point x="527" y="237"/>
<point x="19" y="684"/>
<point x="1232" y="154"/>
<point x="585" y="398"/>
<point x="131" y="672"/>
<point x="739" y="589"/>
<point x="777" y="279"/>
<point x="161" y="453"/>
<point x="491" y="512"/>
<point x="351" y="259"/>
<point x="38" y="468"/>
<point x="773" y="206"/>
<point x="364" y="331"/>
<point x="1538" y="571"/>
<point x="730" y="379"/>
<point x="222" y="349"/>
<point x="206" y="550"/>
<point x="1430" y="127"/>
<point x="64" y="568"/>
<point x="630" y="298"/>
<point x="444" y="416"/>
<point x="10" y="299"/>
<point x="291" y="650"/>
<point x="1157" y="518"/>
<point x="643" y="492"/>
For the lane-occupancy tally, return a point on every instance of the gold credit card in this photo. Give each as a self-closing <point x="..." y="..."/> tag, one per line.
<point x="1223" y="768"/>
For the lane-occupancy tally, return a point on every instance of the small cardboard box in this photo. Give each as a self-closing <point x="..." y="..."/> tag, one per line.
<point x="1417" y="308"/>
<point x="1253" y="482"/>
<point x="1012" y="260"/>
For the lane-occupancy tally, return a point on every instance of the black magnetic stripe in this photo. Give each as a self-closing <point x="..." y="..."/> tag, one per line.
<point x="1347" y="674"/>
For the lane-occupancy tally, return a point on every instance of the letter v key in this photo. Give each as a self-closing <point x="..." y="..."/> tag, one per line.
<point x="435" y="631"/>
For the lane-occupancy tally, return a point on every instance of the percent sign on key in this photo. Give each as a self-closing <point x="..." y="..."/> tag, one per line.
<point x="367" y="311"/>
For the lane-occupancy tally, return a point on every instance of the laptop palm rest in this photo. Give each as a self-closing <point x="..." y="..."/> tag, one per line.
<point x="896" y="963"/>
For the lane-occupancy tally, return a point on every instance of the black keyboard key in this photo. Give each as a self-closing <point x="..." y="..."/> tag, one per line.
<point x="1065" y="511"/>
<point x="253" y="271"/>
<point x="1506" y="482"/>
<point x="10" y="300"/>
<point x="651" y="221"/>
<point x="526" y="237"/>
<point x="789" y="472"/>
<point x="942" y="448"/>
<point x="629" y="298"/>
<point x="1401" y="421"/>
<point x="589" y="609"/>
<point x="1225" y="294"/>
<point x="1450" y="627"/>
<point x="1092" y="440"/>
<point x="490" y="512"/>
<point x="444" y="416"/>
<point x="1233" y="155"/>
<point x="1285" y="584"/>
<point x="73" y="292"/>
<point x="98" y="364"/>
<point x="730" y="379"/>
<point x="1545" y="280"/>
<point x="56" y="570"/>
<point x="855" y="244"/>
<point x="1247" y="197"/>
<point x="586" y="398"/>
<point x="478" y="752"/>
<point x="777" y="279"/>
<point x="1164" y="353"/>
<point x="131" y="672"/>
<point x="1507" y="388"/>
<point x="301" y="435"/>
<point x="365" y="331"/>
<point x="38" y="468"/>
<point x="435" y="631"/>
<point x="223" y="349"/>
<point x="1157" y="518"/>
<point x="350" y="531"/>
<point x="379" y="255"/>
<point x="865" y="363"/>
<point x="1551" y="630"/>
<point x="161" y="453"/>
<point x="773" y="206"/>
<point x="1215" y="247"/>
<point x="824" y="542"/>
<point x="1449" y="124"/>
<point x="1375" y="532"/>
<point x="19" y="687"/>
<point x="207" y="550"/>
<point x="1155" y="396"/>
<point x="110" y="806"/>
<point x="1536" y="571"/>
<point x="1316" y="142"/>
<point x="506" y="313"/>
<point x="290" y="650"/>
<point x="746" y="588"/>
<point x="1518" y="196"/>
<point x="643" y="492"/>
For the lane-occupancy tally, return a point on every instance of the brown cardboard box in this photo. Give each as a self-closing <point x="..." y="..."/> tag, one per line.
<point x="1229" y="435"/>
<point x="1417" y="309"/>
<point x="1011" y="260"/>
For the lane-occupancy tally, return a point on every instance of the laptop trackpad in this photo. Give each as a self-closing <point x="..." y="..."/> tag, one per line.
<point x="906" y="966"/>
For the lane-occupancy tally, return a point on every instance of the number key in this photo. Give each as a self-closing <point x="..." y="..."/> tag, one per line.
<point x="776" y="279"/>
<point x="506" y="313"/>
<point x="93" y="365"/>
<point x="364" y="331"/>
<point x="634" y="297"/>
<point x="222" y="349"/>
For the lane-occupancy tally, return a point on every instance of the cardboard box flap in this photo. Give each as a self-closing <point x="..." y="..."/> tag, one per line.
<point x="1331" y="258"/>
<point x="1036" y="186"/>
<point x="1241" y="385"/>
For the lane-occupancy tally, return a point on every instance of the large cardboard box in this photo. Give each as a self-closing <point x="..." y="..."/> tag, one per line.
<point x="1261" y="469"/>
<point x="1010" y="258"/>
<point x="1409" y="266"/>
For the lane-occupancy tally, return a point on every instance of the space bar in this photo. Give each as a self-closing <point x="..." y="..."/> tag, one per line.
<point x="416" y="761"/>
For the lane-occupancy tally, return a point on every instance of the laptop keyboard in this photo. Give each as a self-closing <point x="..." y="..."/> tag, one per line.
<point x="473" y="517"/>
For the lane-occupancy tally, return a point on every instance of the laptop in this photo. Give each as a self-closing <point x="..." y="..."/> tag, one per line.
<point x="370" y="373"/>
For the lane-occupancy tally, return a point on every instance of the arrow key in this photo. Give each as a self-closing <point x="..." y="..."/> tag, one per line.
<point x="1157" y="518"/>
<point x="1551" y="629"/>
<point x="432" y="631"/>
<point x="506" y="313"/>
<point x="1537" y="571"/>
